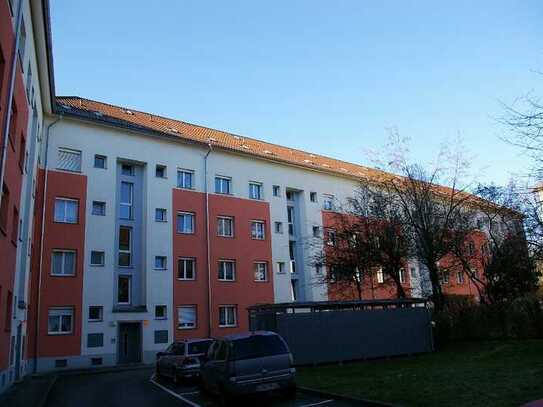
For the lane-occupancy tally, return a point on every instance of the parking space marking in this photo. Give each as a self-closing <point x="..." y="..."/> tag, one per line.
<point x="190" y="403"/>
<point x="190" y="393"/>
<point x="318" y="404"/>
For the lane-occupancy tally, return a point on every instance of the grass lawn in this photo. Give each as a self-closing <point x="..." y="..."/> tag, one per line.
<point x="490" y="374"/>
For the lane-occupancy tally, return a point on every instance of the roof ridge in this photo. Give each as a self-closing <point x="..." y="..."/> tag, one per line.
<point x="316" y="155"/>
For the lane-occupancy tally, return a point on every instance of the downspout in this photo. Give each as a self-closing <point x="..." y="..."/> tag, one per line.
<point x="208" y="250"/>
<point x="42" y="233"/>
<point x="7" y="118"/>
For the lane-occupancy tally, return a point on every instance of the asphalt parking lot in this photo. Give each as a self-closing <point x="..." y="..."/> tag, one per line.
<point x="189" y="394"/>
<point x="140" y="388"/>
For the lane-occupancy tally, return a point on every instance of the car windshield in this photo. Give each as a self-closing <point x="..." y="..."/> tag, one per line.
<point x="257" y="346"/>
<point x="196" y="348"/>
<point x="177" y="348"/>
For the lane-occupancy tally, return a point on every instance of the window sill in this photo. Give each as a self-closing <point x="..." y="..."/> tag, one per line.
<point x="261" y="281"/>
<point x="161" y="319"/>
<point x="155" y="269"/>
<point x="62" y="275"/>
<point x="97" y="265"/>
<point x="185" y="279"/>
<point x="227" y="237"/>
<point x="59" y="333"/>
<point x="185" y="328"/>
<point x="95" y="320"/>
<point x="227" y="281"/>
<point x="161" y="221"/>
<point x="228" y="326"/>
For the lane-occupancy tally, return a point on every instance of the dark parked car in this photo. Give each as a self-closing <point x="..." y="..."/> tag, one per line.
<point x="248" y="363"/>
<point x="182" y="359"/>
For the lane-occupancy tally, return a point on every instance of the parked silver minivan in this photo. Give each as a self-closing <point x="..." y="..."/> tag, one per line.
<point x="247" y="363"/>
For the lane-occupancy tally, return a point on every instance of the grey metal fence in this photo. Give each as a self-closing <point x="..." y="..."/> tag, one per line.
<point x="320" y="332"/>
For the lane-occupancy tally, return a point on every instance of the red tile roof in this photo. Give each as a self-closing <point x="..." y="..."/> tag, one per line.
<point x="221" y="139"/>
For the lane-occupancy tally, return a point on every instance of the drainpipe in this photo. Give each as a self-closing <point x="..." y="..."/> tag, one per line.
<point x="42" y="232"/>
<point x="11" y="89"/>
<point x="209" y="303"/>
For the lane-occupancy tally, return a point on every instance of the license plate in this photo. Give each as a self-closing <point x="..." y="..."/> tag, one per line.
<point x="267" y="387"/>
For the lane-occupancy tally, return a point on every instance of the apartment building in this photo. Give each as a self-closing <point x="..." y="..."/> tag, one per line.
<point x="121" y="231"/>
<point x="25" y="92"/>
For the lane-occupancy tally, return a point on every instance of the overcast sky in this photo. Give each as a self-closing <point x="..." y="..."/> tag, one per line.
<point x="324" y="76"/>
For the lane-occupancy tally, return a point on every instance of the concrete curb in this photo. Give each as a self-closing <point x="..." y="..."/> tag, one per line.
<point x="354" y="400"/>
<point x="112" y="369"/>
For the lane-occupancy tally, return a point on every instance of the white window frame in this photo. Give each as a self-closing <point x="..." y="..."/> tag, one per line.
<point x="129" y="204"/>
<point x="181" y="172"/>
<point x="129" y="278"/>
<point x="184" y="260"/>
<point x="165" y="312"/>
<point x="162" y="211"/>
<point x="222" y="182"/>
<point x="281" y="267"/>
<point x="185" y="325"/>
<point x="256" y="190"/>
<point x="261" y="267"/>
<point x="61" y="313"/>
<point x="165" y="267"/>
<point x="228" y="309"/>
<point x="103" y="258"/>
<point x="76" y="153"/>
<point x="102" y="157"/>
<point x="258" y="230"/>
<point x="101" y="318"/>
<point x="460" y="277"/>
<point x="221" y="226"/>
<point x="63" y="253"/>
<point x="222" y="270"/>
<point x="401" y="275"/>
<point x="193" y="223"/>
<point x="64" y="202"/>
<point x="380" y="276"/>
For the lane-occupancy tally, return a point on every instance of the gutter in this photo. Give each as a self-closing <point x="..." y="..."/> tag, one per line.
<point x="42" y="233"/>
<point x="208" y="250"/>
<point x="9" y="105"/>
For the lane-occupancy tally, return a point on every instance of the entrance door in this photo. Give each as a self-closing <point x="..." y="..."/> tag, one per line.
<point x="129" y="342"/>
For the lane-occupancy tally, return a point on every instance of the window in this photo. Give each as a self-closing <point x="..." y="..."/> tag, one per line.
<point x="161" y="312"/>
<point x="96" y="313"/>
<point x="28" y="89"/>
<point x="225" y="226"/>
<point x="401" y="273"/>
<point x="255" y="190"/>
<point x="63" y="263"/>
<point x="290" y="196"/>
<point x="278" y="227"/>
<point x="471" y="248"/>
<point x="100" y="161"/>
<point x="227" y="316"/>
<point x="276" y="190"/>
<point x="160" y="171"/>
<point x="13" y="124"/>
<point x="331" y="238"/>
<point x="160" y="262"/>
<point x="22" y="42"/>
<point x="95" y="340"/>
<point x="125" y="246"/>
<point x="313" y="196"/>
<point x="66" y="210"/>
<point x="185" y="222"/>
<point x="318" y="268"/>
<point x="257" y="229"/>
<point x="9" y="308"/>
<point x="290" y="218"/>
<point x="280" y="267"/>
<point x="123" y="289"/>
<point x="97" y="258"/>
<point x="186" y="317"/>
<point x="223" y="185"/>
<point x="98" y="208"/>
<point x="444" y="277"/>
<point x="186" y="268"/>
<point x="69" y="160"/>
<point x="380" y="276"/>
<point x="127" y="169"/>
<point x="60" y="321"/>
<point x="227" y="270"/>
<point x="160" y="215"/>
<point x="261" y="271"/>
<point x="185" y="179"/>
<point x="4" y="209"/>
<point x="460" y="277"/>
<point x="127" y="195"/>
<point x="22" y="154"/>
<point x="15" y="226"/>
<point x="161" y="336"/>
<point x="328" y="203"/>
<point x="316" y="231"/>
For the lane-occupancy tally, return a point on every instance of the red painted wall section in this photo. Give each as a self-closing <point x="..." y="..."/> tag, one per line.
<point x="242" y="292"/>
<point x="62" y="291"/>
<point x="13" y="175"/>
<point x="371" y="288"/>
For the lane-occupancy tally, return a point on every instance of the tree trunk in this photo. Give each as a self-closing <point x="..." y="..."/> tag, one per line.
<point x="437" y="293"/>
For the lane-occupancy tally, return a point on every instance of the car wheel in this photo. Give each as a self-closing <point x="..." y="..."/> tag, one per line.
<point x="225" y="398"/>
<point x="290" y="392"/>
